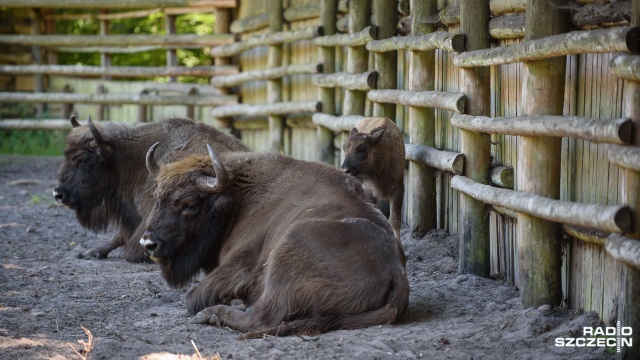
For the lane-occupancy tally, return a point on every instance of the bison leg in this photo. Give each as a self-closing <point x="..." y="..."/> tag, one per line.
<point x="223" y="315"/>
<point x="101" y="252"/>
<point x="133" y="251"/>
<point x="396" y="211"/>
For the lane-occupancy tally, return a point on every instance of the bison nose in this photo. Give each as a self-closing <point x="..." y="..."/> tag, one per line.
<point x="59" y="194"/>
<point x="148" y="243"/>
<point x="346" y="169"/>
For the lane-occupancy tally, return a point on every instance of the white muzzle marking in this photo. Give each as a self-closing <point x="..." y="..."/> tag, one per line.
<point x="145" y="242"/>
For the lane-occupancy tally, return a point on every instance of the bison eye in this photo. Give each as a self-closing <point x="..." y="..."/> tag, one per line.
<point x="361" y="149"/>
<point x="190" y="209"/>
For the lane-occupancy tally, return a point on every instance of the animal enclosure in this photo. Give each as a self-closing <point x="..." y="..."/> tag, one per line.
<point x="520" y="117"/>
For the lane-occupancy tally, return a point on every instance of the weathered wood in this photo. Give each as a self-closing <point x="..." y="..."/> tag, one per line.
<point x="276" y="59"/>
<point x="624" y="249"/>
<point x="221" y="26"/>
<point x="502" y="176"/>
<point x="183" y="40"/>
<point x="342" y="24"/>
<point x="357" y="56"/>
<point x="114" y="4"/>
<point x="119" y="71"/>
<point x="538" y="167"/>
<point x="476" y="147"/>
<point x="171" y="54"/>
<point x="450" y="161"/>
<point x="507" y="27"/>
<point x="621" y="39"/>
<point x="36" y="51"/>
<point x="601" y="217"/>
<point x="384" y="17"/>
<point x="450" y="16"/>
<point x="585" y="234"/>
<point x="281" y="108"/>
<point x="337" y="123"/>
<point x="24" y="124"/>
<point x="181" y="88"/>
<point x="614" y="131"/>
<point x="626" y="67"/>
<point x="627" y="157"/>
<point x="324" y="136"/>
<point x="112" y="49"/>
<point x="364" y="81"/>
<point x="592" y="16"/>
<point x="265" y="74"/>
<point x="250" y="23"/>
<point x="430" y="99"/>
<point x="273" y="38"/>
<point x="118" y="99"/>
<point x="501" y="7"/>
<point x="358" y="38"/>
<point x="434" y="40"/>
<point x="310" y="11"/>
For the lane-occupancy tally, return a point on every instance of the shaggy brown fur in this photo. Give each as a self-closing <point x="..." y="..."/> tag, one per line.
<point x="374" y="153"/>
<point x="296" y="240"/>
<point x="103" y="177"/>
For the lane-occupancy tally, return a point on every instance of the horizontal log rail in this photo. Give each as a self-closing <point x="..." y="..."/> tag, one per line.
<point x="435" y="40"/>
<point x="266" y="39"/>
<point x="601" y="217"/>
<point x="621" y="39"/>
<point x="282" y="108"/>
<point x="502" y="176"/>
<point x="250" y="23"/>
<point x="627" y="157"/>
<point x="615" y="131"/>
<point x="358" y="38"/>
<point x="443" y="160"/>
<point x="303" y="12"/>
<point x="182" y="88"/>
<point x="25" y="124"/>
<point x="500" y="7"/>
<point x="265" y="74"/>
<point x="118" y="99"/>
<point x="430" y="99"/>
<point x="182" y="40"/>
<point x="507" y="27"/>
<point x="450" y="16"/>
<point x="337" y="123"/>
<point x="119" y="71"/>
<point x="364" y="81"/>
<point x="113" y="49"/>
<point x="129" y="14"/>
<point x="624" y="249"/>
<point x="626" y="67"/>
<point x="114" y="4"/>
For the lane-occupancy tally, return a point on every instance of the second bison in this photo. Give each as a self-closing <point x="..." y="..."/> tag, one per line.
<point x="298" y="241"/>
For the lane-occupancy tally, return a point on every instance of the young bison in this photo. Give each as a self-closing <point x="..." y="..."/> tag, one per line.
<point x="374" y="153"/>
<point x="296" y="240"/>
<point x="103" y="177"/>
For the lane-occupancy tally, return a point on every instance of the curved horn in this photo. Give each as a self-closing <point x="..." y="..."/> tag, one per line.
<point x="152" y="166"/>
<point x="94" y="131"/>
<point x="214" y="184"/>
<point x="74" y="121"/>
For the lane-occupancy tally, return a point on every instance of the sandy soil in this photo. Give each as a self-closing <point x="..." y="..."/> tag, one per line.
<point x="47" y="295"/>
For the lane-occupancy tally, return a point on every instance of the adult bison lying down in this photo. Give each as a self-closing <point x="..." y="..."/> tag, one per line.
<point x="296" y="240"/>
<point x="104" y="179"/>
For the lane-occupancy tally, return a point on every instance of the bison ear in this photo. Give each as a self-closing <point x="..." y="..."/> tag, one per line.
<point x="214" y="184"/>
<point x="152" y="166"/>
<point x="74" y="121"/>
<point x="94" y="131"/>
<point x="376" y="135"/>
<point x="353" y="131"/>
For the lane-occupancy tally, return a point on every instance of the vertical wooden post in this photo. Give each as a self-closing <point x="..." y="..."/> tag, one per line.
<point x="66" y="107"/>
<point x="172" y="57"/>
<point x="326" y="150"/>
<point x="101" y="108"/>
<point x="629" y="302"/>
<point x="274" y="87"/>
<point x="357" y="56"/>
<point x="50" y="26"/>
<point x="36" y="53"/>
<point x="386" y="63"/>
<point x="474" y="215"/>
<point x="105" y="61"/>
<point x="221" y="26"/>
<point x="421" y="213"/>
<point x="539" y="251"/>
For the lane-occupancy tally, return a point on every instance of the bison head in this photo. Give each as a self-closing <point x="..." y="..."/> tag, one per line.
<point x="356" y="149"/>
<point x="86" y="178"/>
<point x="191" y="206"/>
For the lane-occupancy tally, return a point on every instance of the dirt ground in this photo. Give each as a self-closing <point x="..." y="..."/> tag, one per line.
<point x="47" y="296"/>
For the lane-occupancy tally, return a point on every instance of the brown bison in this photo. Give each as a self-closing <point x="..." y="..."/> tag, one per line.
<point x="296" y="240"/>
<point x="104" y="179"/>
<point x="374" y="153"/>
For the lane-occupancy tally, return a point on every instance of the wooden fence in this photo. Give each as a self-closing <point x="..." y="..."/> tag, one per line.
<point x="522" y="122"/>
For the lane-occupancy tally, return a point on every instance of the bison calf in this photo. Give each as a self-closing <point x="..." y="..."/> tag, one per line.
<point x="374" y="153"/>
<point x="296" y="240"/>
<point x="103" y="177"/>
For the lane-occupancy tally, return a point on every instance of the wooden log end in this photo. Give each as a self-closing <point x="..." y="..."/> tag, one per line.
<point x="633" y="40"/>
<point x="373" y="32"/>
<point x="320" y="31"/>
<point x="457" y="165"/>
<point x="320" y="68"/>
<point x="319" y="106"/>
<point x="622" y="219"/>
<point x="625" y="131"/>
<point x="457" y="43"/>
<point x="372" y="79"/>
<point x="460" y="104"/>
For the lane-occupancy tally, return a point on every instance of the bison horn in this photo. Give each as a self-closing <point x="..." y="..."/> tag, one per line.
<point x="214" y="184"/>
<point x="152" y="166"/>
<point x="94" y="131"/>
<point x="74" y="121"/>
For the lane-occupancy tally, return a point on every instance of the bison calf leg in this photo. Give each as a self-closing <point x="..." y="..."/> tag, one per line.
<point x="395" y="202"/>
<point x="224" y="315"/>
<point x="101" y="252"/>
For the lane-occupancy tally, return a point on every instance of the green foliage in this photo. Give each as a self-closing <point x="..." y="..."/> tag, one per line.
<point x="32" y="142"/>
